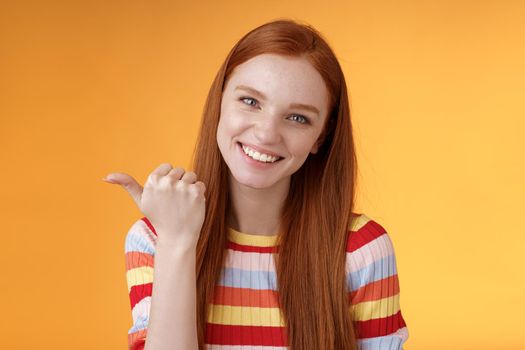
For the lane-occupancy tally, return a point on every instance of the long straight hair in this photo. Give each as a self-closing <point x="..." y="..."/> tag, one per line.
<point x="316" y="215"/>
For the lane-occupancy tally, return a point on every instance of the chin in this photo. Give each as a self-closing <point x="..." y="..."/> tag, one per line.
<point x="252" y="181"/>
<point x="255" y="186"/>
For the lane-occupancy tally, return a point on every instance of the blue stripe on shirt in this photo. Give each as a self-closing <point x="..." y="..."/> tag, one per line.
<point x="238" y="278"/>
<point x="375" y="271"/>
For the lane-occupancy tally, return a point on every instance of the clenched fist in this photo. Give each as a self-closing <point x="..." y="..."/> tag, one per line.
<point x="172" y="200"/>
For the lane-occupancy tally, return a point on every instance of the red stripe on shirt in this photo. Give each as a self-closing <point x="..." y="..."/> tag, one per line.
<point x="139" y="292"/>
<point x="245" y="335"/>
<point x="378" y="327"/>
<point x="137" y="340"/>
<point x="145" y="219"/>
<point x="249" y="248"/>
<point x="367" y="233"/>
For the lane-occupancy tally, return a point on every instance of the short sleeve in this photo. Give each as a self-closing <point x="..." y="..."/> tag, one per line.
<point x="373" y="285"/>
<point x="139" y="256"/>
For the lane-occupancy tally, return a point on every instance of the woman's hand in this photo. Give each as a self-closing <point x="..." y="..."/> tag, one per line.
<point x="172" y="200"/>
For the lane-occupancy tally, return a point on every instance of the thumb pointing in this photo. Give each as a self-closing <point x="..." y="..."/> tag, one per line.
<point x="129" y="184"/>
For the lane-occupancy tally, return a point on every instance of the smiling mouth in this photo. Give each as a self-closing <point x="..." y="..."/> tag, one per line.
<point x="242" y="150"/>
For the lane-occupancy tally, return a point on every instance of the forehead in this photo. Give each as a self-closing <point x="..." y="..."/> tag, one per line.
<point x="282" y="78"/>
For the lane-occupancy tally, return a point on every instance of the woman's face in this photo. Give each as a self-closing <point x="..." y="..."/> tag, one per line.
<point x="275" y="105"/>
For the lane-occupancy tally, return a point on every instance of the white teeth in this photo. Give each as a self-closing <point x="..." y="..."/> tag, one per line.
<point x="259" y="156"/>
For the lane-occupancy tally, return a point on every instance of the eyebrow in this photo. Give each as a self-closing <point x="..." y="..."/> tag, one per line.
<point x="292" y="105"/>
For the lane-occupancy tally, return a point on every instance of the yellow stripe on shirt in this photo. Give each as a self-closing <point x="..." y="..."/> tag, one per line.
<point x="357" y="222"/>
<point x="245" y="316"/>
<point x="139" y="275"/>
<point x="367" y="310"/>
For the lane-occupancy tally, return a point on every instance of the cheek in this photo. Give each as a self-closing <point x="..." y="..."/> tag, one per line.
<point x="300" y="145"/>
<point x="233" y="121"/>
<point x="229" y="127"/>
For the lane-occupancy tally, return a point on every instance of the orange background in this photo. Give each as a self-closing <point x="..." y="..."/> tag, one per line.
<point x="92" y="87"/>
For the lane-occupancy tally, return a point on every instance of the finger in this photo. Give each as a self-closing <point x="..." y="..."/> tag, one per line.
<point x="129" y="184"/>
<point x="162" y="169"/>
<point x="201" y="186"/>
<point x="189" y="177"/>
<point x="176" y="173"/>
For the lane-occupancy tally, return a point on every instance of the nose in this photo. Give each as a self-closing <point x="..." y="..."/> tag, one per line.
<point x="266" y="130"/>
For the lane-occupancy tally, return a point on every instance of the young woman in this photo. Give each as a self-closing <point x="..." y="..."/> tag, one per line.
<point x="258" y="248"/>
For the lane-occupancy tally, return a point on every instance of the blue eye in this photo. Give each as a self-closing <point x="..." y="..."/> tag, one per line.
<point x="305" y="120"/>
<point x="302" y="120"/>
<point x="247" y="98"/>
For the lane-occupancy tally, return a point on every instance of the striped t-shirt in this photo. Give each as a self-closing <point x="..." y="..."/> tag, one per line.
<point x="245" y="314"/>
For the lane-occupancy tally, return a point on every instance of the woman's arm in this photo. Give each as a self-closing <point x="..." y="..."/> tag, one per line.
<point x="173" y="322"/>
<point x="164" y="315"/>
<point x="175" y="201"/>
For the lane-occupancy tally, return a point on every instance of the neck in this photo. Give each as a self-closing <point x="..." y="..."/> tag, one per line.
<point x="257" y="211"/>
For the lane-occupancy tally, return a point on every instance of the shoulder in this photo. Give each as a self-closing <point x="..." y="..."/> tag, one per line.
<point x="373" y="285"/>
<point x="370" y="253"/>
<point x="364" y="230"/>
<point x="141" y="237"/>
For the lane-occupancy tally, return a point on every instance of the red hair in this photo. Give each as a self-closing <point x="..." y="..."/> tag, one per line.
<point x="316" y="216"/>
